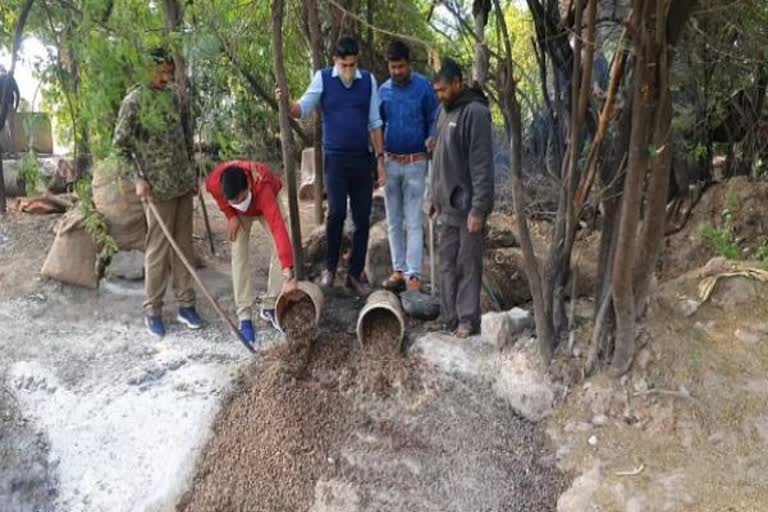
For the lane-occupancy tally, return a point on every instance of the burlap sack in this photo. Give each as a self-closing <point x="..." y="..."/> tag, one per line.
<point x="115" y="198"/>
<point x="72" y="257"/>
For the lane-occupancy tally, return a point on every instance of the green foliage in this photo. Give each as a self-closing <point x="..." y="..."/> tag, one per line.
<point x="721" y="240"/>
<point x="95" y="224"/>
<point x="761" y="253"/>
<point x="29" y="173"/>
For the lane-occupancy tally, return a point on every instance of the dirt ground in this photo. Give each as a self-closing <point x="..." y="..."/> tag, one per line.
<point x="369" y="428"/>
<point x="98" y="415"/>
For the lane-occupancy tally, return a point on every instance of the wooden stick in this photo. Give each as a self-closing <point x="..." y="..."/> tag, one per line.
<point x="205" y="219"/>
<point x="191" y="269"/>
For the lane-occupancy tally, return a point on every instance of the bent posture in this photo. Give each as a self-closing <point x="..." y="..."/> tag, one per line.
<point x="246" y="192"/>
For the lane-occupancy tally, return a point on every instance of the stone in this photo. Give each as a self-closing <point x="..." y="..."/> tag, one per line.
<point x="600" y="420"/>
<point x="499" y="329"/>
<point x="689" y="306"/>
<point x="592" y="441"/>
<point x="521" y="319"/>
<point x="127" y="265"/>
<point x="578" y="498"/>
<point x="527" y="388"/>
<point x="748" y="337"/>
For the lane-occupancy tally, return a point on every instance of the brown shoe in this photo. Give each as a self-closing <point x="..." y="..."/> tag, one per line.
<point x="358" y="286"/>
<point x="395" y="282"/>
<point x="414" y="284"/>
<point x="328" y="278"/>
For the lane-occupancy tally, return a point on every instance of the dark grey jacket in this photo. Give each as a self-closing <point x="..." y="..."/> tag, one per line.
<point x="462" y="175"/>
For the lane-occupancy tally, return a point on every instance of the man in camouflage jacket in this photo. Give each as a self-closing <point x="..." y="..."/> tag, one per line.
<point x="151" y="139"/>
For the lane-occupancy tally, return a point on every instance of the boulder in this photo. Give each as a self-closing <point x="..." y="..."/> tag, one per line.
<point x="127" y="265"/>
<point x="501" y="329"/>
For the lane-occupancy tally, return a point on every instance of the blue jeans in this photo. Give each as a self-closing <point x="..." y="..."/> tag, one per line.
<point x="404" y="197"/>
<point x="348" y="176"/>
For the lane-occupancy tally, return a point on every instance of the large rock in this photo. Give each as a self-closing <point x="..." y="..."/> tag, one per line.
<point x="526" y="386"/>
<point x="127" y="265"/>
<point x="579" y="497"/>
<point x="516" y="376"/>
<point x="500" y="329"/>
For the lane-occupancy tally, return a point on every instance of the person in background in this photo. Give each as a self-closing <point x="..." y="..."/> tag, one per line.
<point x="156" y="149"/>
<point x="462" y="195"/>
<point x="349" y="100"/>
<point x="246" y="192"/>
<point x="408" y="109"/>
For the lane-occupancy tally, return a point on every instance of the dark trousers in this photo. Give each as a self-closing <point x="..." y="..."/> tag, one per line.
<point x="348" y="176"/>
<point x="461" y="273"/>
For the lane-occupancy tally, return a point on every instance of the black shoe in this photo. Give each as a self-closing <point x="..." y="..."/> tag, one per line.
<point x="358" y="286"/>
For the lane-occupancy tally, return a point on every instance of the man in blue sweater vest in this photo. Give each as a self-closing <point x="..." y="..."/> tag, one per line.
<point x="409" y="110"/>
<point x="349" y="101"/>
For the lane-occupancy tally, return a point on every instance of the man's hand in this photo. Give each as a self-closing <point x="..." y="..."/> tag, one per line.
<point x="432" y="213"/>
<point x="381" y="173"/>
<point x="143" y="190"/>
<point x="430" y="144"/>
<point x="233" y="225"/>
<point x="294" y="109"/>
<point x="290" y="285"/>
<point x="475" y="223"/>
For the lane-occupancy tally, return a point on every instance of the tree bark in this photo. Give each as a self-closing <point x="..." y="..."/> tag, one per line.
<point x="5" y="106"/>
<point x="480" y="11"/>
<point x="278" y="12"/>
<point x="511" y="109"/>
<point x="624" y="260"/>
<point x="316" y="42"/>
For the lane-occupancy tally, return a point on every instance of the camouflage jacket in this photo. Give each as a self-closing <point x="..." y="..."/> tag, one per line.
<point x="150" y="128"/>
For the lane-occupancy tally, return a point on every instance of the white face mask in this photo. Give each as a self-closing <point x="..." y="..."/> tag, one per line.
<point x="243" y="206"/>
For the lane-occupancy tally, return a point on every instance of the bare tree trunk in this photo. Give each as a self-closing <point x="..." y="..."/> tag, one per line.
<point x="624" y="261"/>
<point x="286" y="138"/>
<point x="369" y="35"/>
<point x="316" y="43"/>
<point x="511" y="109"/>
<point x="5" y="105"/>
<point x="480" y="11"/>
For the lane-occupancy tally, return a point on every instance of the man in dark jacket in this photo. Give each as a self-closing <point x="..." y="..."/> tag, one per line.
<point x="462" y="195"/>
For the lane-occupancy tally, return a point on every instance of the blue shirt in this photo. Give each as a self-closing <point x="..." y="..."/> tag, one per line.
<point x="311" y="97"/>
<point x="409" y="112"/>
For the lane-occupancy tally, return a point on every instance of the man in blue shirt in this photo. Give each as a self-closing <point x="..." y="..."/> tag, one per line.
<point x="349" y="100"/>
<point x="409" y="109"/>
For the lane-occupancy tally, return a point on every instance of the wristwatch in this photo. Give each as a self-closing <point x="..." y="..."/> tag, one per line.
<point x="288" y="273"/>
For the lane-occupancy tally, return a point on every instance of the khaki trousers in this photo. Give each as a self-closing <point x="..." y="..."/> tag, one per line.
<point x="242" y="276"/>
<point x="161" y="263"/>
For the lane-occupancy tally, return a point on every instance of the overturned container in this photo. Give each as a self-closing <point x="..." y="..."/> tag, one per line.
<point x="305" y="289"/>
<point x="381" y="309"/>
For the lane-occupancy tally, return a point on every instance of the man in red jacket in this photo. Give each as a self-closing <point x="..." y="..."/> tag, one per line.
<point x="247" y="191"/>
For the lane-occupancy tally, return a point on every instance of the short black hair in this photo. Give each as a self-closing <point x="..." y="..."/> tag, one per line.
<point x="449" y="69"/>
<point x="233" y="181"/>
<point x="398" y="50"/>
<point x="161" y="55"/>
<point x="346" y="46"/>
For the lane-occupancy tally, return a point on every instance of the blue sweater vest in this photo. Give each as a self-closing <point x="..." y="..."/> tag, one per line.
<point x="345" y="114"/>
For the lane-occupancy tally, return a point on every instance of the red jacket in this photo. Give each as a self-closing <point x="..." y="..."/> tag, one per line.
<point x="263" y="202"/>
